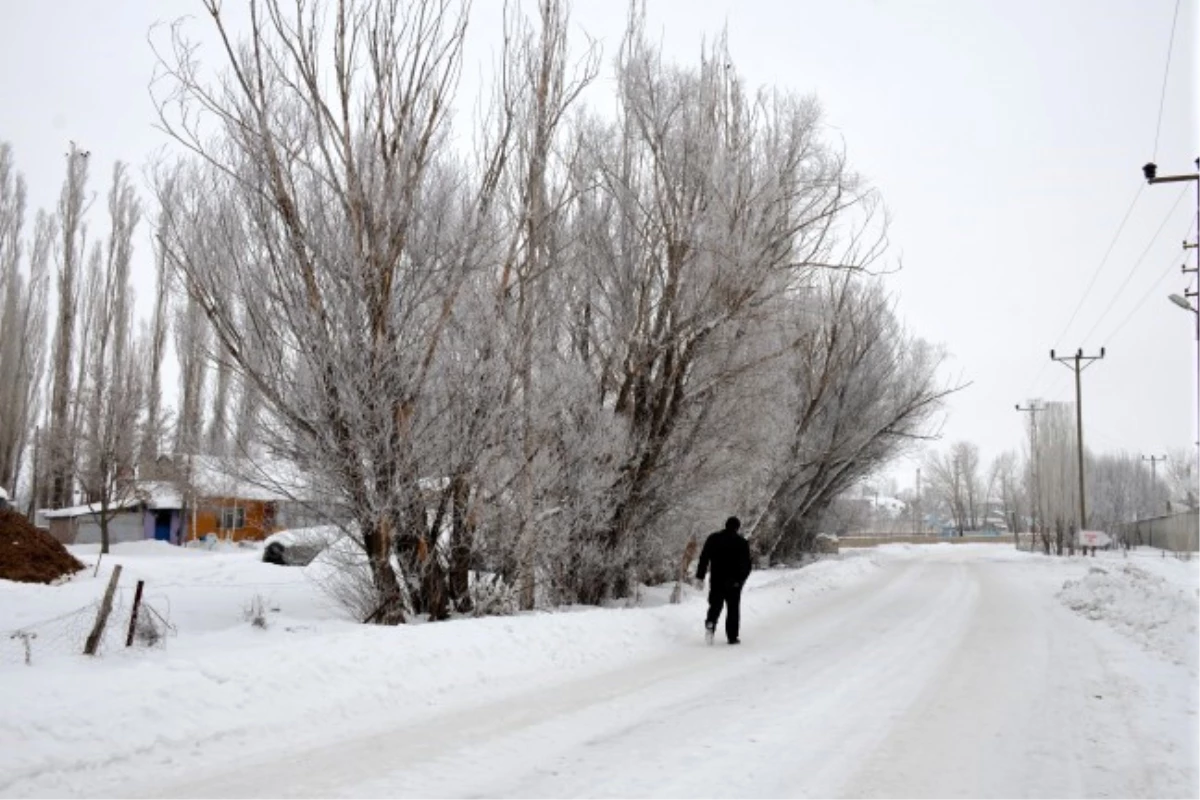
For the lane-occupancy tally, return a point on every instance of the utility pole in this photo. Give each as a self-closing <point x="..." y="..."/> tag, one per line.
<point x="1035" y="490"/>
<point x="917" y="522"/>
<point x="1150" y="171"/>
<point x="1183" y="302"/>
<point x="1153" y="472"/>
<point x="1082" y="362"/>
<point x="1153" y="468"/>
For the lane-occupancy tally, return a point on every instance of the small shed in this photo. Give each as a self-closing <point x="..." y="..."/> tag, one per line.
<point x="81" y="524"/>
<point x="162" y="516"/>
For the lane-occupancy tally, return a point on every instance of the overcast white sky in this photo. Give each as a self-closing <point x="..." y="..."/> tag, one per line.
<point x="1006" y="137"/>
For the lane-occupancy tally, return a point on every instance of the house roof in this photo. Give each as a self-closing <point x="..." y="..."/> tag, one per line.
<point x="91" y="509"/>
<point x="244" y="478"/>
<point x="228" y="477"/>
<point x="159" y="495"/>
<point x="1169" y="515"/>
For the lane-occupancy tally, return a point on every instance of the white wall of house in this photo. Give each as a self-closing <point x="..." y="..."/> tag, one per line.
<point x="121" y="528"/>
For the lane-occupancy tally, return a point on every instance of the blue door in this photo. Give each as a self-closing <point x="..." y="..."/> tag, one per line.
<point x="162" y="526"/>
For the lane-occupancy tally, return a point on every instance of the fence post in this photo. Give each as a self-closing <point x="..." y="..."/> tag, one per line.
<point x="25" y="636"/>
<point x="137" y="601"/>
<point x="93" y="640"/>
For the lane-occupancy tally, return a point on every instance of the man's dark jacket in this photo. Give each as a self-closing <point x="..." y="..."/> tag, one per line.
<point x="729" y="555"/>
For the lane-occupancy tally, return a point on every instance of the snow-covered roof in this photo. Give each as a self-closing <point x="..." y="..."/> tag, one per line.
<point x="160" y="495"/>
<point x="883" y="501"/>
<point x="90" y="509"/>
<point x="241" y="478"/>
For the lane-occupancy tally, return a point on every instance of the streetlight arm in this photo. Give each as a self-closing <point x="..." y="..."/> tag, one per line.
<point x="1175" y="178"/>
<point x="1182" y="303"/>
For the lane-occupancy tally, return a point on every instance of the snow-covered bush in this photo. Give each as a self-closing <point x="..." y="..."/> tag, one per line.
<point x="491" y="596"/>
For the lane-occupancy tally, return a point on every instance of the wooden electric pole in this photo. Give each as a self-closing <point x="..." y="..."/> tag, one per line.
<point x="1153" y="474"/>
<point x="1081" y="362"/>
<point x="1035" y="490"/>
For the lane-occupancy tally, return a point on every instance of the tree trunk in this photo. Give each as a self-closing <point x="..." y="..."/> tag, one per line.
<point x="462" y="535"/>
<point x="376" y="541"/>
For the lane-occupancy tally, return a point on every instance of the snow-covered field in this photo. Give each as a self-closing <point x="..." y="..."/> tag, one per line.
<point x="942" y="670"/>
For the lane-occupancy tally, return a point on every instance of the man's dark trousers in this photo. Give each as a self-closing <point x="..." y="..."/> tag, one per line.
<point x="730" y="596"/>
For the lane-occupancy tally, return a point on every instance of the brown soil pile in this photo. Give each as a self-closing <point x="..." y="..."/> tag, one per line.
<point x="30" y="555"/>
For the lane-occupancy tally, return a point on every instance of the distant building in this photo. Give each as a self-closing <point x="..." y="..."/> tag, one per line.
<point x="81" y="524"/>
<point x="188" y="498"/>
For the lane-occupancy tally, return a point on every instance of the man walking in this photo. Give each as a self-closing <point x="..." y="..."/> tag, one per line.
<point x="729" y="555"/>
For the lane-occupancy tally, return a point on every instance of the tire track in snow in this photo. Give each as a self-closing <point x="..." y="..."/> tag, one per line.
<point x="800" y="671"/>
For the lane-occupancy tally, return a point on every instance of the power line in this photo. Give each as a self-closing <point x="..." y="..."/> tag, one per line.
<point x="1095" y="275"/>
<point x="1166" y="73"/>
<point x="1168" y="271"/>
<point x="1114" y="443"/>
<point x="1133" y="269"/>
<point x="1100" y="266"/>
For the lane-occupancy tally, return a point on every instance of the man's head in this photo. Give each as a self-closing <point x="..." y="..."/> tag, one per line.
<point x="733" y="524"/>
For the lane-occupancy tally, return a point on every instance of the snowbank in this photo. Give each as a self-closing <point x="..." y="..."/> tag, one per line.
<point x="311" y="673"/>
<point x="1154" y="604"/>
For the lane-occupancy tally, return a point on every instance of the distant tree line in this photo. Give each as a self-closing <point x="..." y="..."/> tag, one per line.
<point x="1039" y="493"/>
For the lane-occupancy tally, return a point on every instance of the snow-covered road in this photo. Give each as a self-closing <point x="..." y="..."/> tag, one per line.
<point x="952" y="673"/>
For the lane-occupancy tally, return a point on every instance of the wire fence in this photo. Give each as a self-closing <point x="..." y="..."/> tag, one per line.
<point x="66" y="634"/>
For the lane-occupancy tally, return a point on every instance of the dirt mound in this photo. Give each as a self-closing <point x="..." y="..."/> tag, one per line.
<point x="30" y="555"/>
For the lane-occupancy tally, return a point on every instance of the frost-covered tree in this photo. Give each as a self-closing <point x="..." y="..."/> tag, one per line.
<point x="191" y="349"/>
<point x="1058" y="476"/>
<point x="861" y="391"/>
<point x="551" y="358"/>
<point x="538" y="87"/>
<point x="322" y="215"/>
<point x="700" y="211"/>
<point x="1005" y="490"/>
<point x="1182" y="477"/>
<point x="112" y="390"/>
<point x="60" y="452"/>
<point x="1121" y="490"/>
<point x="24" y="289"/>
<point x="952" y="477"/>
<point x="154" y="424"/>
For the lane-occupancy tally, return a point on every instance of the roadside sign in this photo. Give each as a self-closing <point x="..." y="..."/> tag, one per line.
<point x="1094" y="539"/>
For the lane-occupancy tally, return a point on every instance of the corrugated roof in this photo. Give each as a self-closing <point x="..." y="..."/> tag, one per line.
<point x="92" y="509"/>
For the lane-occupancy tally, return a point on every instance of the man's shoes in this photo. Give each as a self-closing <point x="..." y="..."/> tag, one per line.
<point x="735" y="641"/>
<point x="709" y="630"/>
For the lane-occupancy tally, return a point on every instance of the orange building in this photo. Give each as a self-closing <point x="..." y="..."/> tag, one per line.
<point x="235" y="518"/>
<point x="232" y="499"/>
